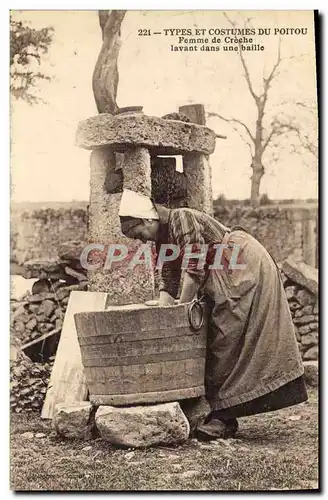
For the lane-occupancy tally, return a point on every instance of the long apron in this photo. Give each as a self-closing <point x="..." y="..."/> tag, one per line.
<point x="253" y="361"/>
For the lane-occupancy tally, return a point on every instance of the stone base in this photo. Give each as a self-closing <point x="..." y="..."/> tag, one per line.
<point x="143" y="426"/>
<point x="75" y="421"/>
<point x="146" y="397"/>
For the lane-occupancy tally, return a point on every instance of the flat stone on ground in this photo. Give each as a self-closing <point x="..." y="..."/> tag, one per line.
<point x="74" y="421"/>
<point x="143" y="426"/>
<point x="27" y="435"/>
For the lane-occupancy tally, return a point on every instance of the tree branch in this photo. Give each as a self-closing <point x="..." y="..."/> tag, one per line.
<point x="247" y="76"/>
<point x="268" y="140"/>
<point x="243" y="62"/>
<point x="267" y="81"/>
<point x="233" y="120"/>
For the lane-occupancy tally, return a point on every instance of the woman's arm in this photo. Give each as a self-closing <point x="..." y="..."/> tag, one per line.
<point x="165" y="299"/>
<point x="187" y="231"/>
<point x="189" y="288"/>
<point x="169" y="282"/>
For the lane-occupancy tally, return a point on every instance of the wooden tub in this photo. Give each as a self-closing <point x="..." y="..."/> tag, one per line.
<point x="141" y="354"/>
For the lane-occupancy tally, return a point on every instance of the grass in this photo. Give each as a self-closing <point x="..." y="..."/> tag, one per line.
<point x="273" y="451"/>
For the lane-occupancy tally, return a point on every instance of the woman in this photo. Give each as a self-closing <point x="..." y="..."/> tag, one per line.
<point x="253" y="363"/>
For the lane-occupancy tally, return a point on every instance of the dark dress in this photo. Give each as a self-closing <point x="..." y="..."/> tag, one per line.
<point x="253" y="363"/>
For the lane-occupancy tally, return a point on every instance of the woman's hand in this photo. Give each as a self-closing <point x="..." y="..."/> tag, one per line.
<point x="165" y="299"/>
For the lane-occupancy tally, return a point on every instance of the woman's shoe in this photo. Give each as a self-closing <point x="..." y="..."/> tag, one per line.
<point x="216" y="429"/>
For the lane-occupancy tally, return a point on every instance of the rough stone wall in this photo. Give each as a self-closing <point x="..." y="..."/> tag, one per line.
<point x="37" y="234"/>
<point x="38" y="314"/>
<point x="281" y="229"/>
<point x="304" y="308"/>
<point x="28" y="383"/>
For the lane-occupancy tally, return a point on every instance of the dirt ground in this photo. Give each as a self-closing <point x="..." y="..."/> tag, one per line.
<point x="273" y="451"/>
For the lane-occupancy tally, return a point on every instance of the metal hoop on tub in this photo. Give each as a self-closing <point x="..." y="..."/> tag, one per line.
<point x="196" y="305"/>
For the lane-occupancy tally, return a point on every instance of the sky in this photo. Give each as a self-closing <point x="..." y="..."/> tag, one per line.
<point x="47" y="166"/>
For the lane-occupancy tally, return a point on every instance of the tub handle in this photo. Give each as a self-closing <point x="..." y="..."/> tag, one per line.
<point x="194" y="305"/>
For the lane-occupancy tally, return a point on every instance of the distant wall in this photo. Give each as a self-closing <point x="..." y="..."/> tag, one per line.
<point x="283" y="229"/>
<point x="37" y="233"/>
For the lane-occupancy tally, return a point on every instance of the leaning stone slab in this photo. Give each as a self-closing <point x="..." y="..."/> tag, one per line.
<point x="301" y="273"/>
<point x="160" y="136"/>
<point x="71" y="250"/>
<point x="49" y="266"/>
<point x="312" y="354"/>
<point x="143" y="426"/>
<point x="75" y="421"/>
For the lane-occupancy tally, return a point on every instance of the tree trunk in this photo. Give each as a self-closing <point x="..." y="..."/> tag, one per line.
<point x="258" y="172"/>
<point x="105" y="75"/>
<point x="257" y="166"/>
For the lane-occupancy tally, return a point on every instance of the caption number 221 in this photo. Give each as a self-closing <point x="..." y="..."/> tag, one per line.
<point x="144" y="32"/>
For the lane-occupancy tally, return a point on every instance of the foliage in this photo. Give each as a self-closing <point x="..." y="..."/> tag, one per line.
<point x="221" y="200"/>
<point x="220" y="206"/>
<point x="265" y="200"/>
<point x="27" y="45"/>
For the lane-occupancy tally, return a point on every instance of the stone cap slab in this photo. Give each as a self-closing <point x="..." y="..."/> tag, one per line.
<point x="158" y="135"/>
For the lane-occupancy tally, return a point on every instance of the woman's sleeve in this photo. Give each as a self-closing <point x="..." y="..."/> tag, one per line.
<point x="187" y="230"/>
<point x="170" y="277"/>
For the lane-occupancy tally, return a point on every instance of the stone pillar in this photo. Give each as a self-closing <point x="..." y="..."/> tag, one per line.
<point x="137" y="137"/>
<point x="196" y="167"/>
<point x="137" y="171"/>
<point x="123" y="286"/>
